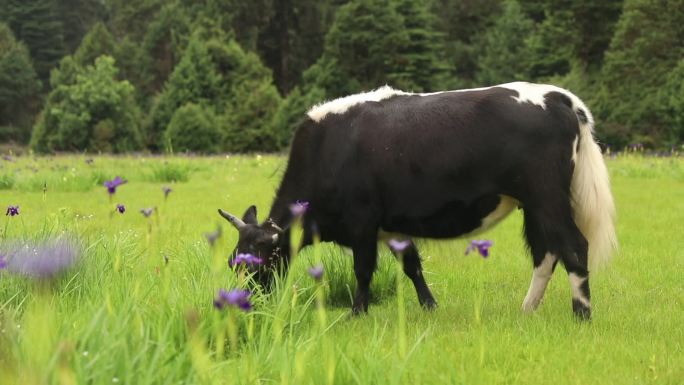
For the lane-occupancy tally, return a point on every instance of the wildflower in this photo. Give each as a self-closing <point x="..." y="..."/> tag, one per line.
<point x="167" y="190"/>
<point x="398" y="246"/>
<point x="482" y="247"/>
<point x="316" y="272"/>
<point x="245" y="259"/>
<point x="113" y="184"/>
<point x="43" y="260"/>
<point x="89" y="161"/>
<point x="121" y="208"/>
<point x="147" y="212"/>
<point x="236" y="297"/>
<point x="213" y="236"/>
<point x="299" y="208"/>
<point x="3" y="262"/>
<point x="12" y="211"/>
<point x="8" y="158"/>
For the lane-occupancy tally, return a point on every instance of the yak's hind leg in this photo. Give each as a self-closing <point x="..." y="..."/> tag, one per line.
<point x="553" y="236"/>
<point x="414" y="270"/>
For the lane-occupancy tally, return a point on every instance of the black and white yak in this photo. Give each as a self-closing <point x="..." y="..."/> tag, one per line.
<point x="443" y="165"/>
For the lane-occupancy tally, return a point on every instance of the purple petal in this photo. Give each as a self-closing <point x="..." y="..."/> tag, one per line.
<point x="316" y="272"/>
<point x="398" y="246"/>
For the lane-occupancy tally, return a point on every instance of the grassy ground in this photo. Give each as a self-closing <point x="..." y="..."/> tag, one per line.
<point x="125" y="315"/>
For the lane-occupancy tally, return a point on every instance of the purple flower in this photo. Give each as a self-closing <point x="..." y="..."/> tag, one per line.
<point x="482" y="247"/>
<point x="245" y="259"/>
<point x="213" y="236"/>
<point x="316" y="272"/>
<point x="113" y="184"/>
<point x="236" y="297"/>
<point x="3" y="262"/>
<point x="12" y="211"/>
<point x="147" y="212"/>
<point x="167" y="190"/>
<point x="121" y="208"/>
<point x="398" y="246"/>
<point x="8" y="158"/>
<point x="299" y="208"/>
<point x="43" y="260"/>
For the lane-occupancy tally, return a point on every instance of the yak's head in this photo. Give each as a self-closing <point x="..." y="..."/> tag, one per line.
<point x="264" y="241"/>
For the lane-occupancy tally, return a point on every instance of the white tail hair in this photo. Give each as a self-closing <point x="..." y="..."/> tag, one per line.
<point x="591" y="198"/>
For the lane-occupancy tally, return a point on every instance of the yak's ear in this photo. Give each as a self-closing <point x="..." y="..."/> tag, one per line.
<point x="250" y="216"/>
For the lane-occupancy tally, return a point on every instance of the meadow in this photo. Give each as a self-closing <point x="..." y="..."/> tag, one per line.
<point x="137" y="306"/>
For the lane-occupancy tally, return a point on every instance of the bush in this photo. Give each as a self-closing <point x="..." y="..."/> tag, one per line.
<point x="193" y="128"/>
<point x="88" y="109"/>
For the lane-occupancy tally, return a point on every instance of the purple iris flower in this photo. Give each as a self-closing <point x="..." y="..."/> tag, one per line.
<point x="147" y="212"/>
<point x="398" y="246"/>
<point x="167" y="190"/>
<point x="245" y="259"/>
<point x="236" y="297"/>
<point x="12" y="211"/>
<point x="316" y="272"/>
<point x="482" y="247"/>
<point x="3" y="262"/>
<point x="113" y="184"/>
<point x="121" y="208"/>
<point x="299" y="208"/>
<point x="43" y="260"/>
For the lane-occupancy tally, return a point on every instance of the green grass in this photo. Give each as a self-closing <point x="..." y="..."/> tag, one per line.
<point x="123" y="315"/>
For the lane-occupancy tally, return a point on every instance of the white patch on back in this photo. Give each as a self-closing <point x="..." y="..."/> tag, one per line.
<point x="339" y="106"/>
<point x="540" y="279"/>
<point x="535" y="94"/>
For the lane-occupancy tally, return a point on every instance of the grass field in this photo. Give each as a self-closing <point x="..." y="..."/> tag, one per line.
<point x="137" y="307"/>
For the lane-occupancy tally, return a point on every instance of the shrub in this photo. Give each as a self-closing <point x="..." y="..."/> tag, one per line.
<point x="193" y="128"/>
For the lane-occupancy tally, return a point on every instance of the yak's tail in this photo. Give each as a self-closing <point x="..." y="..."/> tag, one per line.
<point x="591" y="197"/>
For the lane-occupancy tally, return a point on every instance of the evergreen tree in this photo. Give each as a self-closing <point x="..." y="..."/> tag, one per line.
<point x="19" y="87"/>
<point x="163" y="45"/>
<point x="505" y="52"/>
<point x="96" y="43"/>
<point x="77" y="18"/>
<point x="194" y="80"/>
<point x="362" y="49"/>
<point x="646" y="48"/>
<point x="424" y="67"/>
<point x="464" y="22"/>
<point x="36" y="23"/>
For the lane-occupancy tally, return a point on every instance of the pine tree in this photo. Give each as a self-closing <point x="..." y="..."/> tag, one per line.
<point x="505" y="52"/>
<point x="19" y="87"/>
<point x="424" y="67"/>
<point x="36" y="23"/>
<point x="362" y="49"/>
<point x="646" y="48"/>
<point x="96" y="43"/>
<point x="194" y="80"/>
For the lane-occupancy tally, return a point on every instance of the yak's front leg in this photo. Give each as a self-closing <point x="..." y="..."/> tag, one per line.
<point x="365" y="262"/>
<point x="414" y="270"/>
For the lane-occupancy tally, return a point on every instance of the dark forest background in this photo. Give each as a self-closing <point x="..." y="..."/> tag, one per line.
<point x="234" y="75"/>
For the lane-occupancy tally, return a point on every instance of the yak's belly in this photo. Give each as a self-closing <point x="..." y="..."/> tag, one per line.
<point x="453" y="220"/>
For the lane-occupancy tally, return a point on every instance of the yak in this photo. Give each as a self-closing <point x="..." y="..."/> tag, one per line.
<point x="444" y="165"/>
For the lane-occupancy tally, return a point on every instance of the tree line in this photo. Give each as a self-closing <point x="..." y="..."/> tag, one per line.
<point x="229" y="75"/>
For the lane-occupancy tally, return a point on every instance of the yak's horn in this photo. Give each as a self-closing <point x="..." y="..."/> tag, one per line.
<point x="235" y="221"/>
